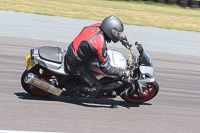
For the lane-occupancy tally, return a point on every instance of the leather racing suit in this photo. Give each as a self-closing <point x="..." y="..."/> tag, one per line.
<point x="88" y="45"/>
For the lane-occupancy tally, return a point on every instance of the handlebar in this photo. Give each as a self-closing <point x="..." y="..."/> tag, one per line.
<point x="126" y="44"/>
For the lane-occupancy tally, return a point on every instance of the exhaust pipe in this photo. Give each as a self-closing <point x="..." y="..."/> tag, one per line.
<point x="33" y="79"/>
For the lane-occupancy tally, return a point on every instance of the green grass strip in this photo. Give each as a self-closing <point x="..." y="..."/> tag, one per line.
<point x="130" y="12"/>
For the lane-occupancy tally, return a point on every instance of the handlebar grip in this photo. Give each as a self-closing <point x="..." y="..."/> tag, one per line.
<point x="130" y="45"/>
<point x="126" y="43"/>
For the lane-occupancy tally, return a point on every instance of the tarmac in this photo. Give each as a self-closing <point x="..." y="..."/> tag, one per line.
<point x="60" y="29"/>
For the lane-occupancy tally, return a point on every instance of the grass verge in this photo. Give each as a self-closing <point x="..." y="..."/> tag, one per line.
<point x="130" y="12"/>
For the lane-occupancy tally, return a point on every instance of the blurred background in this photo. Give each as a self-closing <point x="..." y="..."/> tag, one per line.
<point x="167" y="14"/>
<point x="183" y="3"/>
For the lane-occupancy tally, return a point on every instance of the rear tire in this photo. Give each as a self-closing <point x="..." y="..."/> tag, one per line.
<point x="154" y="89"/>
<point x="32" y="90"/>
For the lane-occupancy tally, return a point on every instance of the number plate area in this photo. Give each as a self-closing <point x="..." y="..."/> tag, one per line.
<point x="29" y="62"/>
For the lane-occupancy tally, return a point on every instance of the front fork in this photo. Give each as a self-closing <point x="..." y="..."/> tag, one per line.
<point x="138" y="83"/>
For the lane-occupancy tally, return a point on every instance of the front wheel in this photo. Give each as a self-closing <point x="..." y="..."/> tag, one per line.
<point x="151" y="90"/>
<point x="34" y="91"/>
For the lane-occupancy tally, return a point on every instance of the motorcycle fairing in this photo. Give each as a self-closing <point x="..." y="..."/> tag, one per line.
<point x="145" y="59"/>
<point x="147" y="70"/>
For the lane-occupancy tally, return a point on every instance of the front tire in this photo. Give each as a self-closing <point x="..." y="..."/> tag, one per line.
<point x="32" y="90"/>
<point x="153" y="89"/>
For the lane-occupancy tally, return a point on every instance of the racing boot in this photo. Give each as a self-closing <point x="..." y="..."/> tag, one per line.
<point x="71" y="91"/>
<point x="94" y="91"/>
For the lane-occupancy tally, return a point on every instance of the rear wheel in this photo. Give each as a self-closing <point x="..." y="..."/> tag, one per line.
<point x="151" y="90"/>
<point x="32" y="89"/>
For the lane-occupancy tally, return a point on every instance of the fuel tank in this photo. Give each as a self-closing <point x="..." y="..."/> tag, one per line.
<point x="115" y="58"/>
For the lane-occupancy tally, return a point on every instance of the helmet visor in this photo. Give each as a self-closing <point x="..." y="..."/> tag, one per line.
<point x="116" y="35"/>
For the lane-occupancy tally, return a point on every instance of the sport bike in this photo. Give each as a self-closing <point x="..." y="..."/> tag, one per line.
<point x="47" y="73"/>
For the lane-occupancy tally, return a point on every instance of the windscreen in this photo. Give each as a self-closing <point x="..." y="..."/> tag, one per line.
<point x="145" y="60"/>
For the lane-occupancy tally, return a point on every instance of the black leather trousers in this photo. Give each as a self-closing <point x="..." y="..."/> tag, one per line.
<point x="90" y="85"/>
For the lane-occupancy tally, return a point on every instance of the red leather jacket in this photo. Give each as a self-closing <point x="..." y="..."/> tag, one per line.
<point x="88" y="45"/>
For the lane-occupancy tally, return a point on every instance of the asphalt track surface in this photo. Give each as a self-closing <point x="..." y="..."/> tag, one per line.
<point x="175" y="109"/>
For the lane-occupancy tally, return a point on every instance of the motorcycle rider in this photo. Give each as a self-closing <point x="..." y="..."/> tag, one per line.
<point x="91" y="44"/>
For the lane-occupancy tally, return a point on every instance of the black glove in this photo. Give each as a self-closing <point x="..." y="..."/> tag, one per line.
<point x="122" y="36"/>
<point x="124" y="41"/>
<point x="125" y="73"/>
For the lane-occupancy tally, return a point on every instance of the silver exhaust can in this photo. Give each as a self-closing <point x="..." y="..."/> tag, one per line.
<point x="33" y="79"/>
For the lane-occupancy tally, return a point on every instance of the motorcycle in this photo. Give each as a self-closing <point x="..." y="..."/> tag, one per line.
<point x="47" y="74"/>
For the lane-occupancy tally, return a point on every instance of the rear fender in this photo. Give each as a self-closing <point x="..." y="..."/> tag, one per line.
<point x="58" y="68"/>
